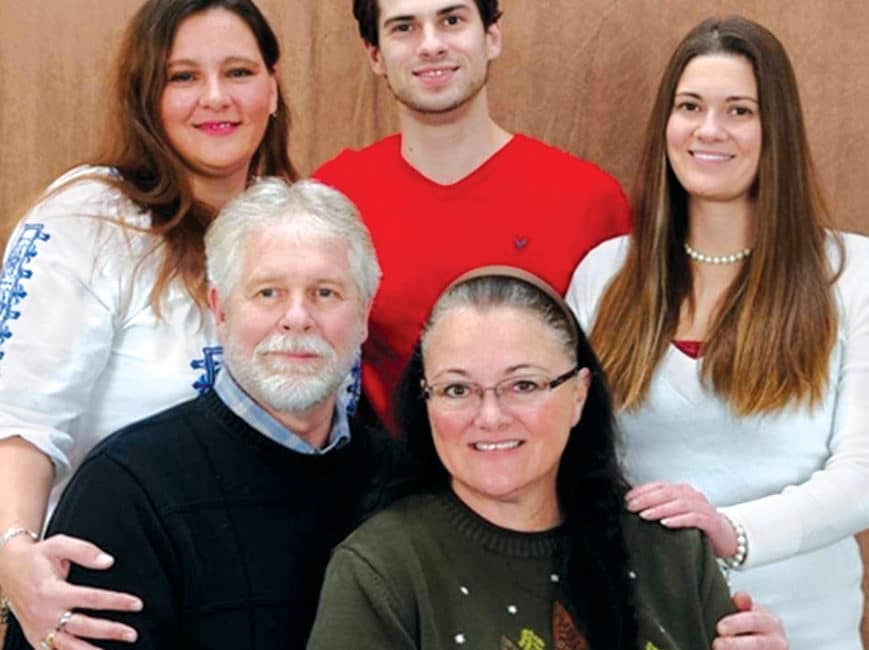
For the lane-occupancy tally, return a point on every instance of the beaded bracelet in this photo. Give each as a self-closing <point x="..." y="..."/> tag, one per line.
<point x="737" y="559"/>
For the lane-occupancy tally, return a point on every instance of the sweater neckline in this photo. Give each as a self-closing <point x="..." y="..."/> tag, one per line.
<point x="482" y="171"/>
<point x="233" y="424"/>
<point x="503" y="541"/>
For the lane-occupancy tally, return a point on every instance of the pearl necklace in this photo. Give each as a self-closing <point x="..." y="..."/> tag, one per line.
<point x="703" y="258"/>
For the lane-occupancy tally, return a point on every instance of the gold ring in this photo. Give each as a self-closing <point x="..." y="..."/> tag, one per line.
<point x="48" y="642"/>
<point x="63" y="620"/>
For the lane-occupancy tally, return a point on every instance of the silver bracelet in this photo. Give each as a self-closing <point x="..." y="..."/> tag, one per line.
<point x="737" y="559"/>
<point x="15" y="531"/>
<point x="9" y="534"/>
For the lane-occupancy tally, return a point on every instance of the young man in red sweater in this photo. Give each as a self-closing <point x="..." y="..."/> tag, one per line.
<point x="454" y="190"/>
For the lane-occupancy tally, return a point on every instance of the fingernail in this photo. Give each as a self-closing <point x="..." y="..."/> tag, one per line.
<point x="104" y="559"/>
<point x="665" y="522"/>
<point x="131" y="636"/>
<point x="644" y="514"/>
<point x="136" y="606"/>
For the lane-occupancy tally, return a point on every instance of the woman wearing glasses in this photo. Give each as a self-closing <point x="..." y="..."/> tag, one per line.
<point x="513" y="532"/>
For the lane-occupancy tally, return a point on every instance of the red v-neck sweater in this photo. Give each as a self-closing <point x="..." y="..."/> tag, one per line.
<point x="529" y="205"/>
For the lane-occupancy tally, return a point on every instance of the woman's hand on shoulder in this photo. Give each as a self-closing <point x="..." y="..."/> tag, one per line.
<point x="34" y="575"/>
<point x="678" y="505"/>
<point x="753" y="627"/>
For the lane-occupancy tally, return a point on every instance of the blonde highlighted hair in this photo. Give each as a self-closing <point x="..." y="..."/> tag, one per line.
<point x="772" y="335"/>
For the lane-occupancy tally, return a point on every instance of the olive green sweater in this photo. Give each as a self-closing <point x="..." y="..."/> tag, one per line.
<point x="430" y="574"/>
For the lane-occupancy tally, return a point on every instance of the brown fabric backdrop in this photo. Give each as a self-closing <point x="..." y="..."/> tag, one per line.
<point x="576" y="74"/>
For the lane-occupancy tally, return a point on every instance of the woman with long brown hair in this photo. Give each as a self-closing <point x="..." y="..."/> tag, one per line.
<point x="104" y="281"/>
<point x="734" y="328"/>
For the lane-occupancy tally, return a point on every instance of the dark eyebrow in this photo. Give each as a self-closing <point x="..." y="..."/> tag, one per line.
<point x="175" y="62"/>
<point x="397" y="19"/>
<point x="732" y="98"/>
<point x="451" y="8"/>
<point x="230" y="60"/>
<point x="507" y="371"/>
<point x="453" y="371"/>
<point x="525" y="367"/>
<point x="740" y="98"/>
<point x="408" y="17"/>
<point x="241" y="59"/>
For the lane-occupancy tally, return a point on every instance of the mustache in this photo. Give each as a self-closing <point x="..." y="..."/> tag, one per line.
<point x="298" y="344"/>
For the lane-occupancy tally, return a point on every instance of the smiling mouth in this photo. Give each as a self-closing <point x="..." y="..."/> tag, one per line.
<point x="435" y="73"/>
<point x="709" y="156"/>
<point x="504" y="445"/>
<point x="217" y="127"/>
<point x="290" y="360"/>
<point x="294" y="355"/>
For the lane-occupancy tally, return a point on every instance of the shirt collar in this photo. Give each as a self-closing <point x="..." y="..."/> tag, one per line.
<point x="257" y="417"/>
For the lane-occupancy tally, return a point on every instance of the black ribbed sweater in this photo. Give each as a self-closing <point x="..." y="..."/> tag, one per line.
<point x="223" y="533"/>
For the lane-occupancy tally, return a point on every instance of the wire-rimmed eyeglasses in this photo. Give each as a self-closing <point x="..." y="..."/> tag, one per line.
<point x="518" y="391"/>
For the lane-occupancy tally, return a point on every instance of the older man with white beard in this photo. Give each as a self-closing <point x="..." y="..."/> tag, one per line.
<point x="220" y="513"/>
<point x="291" y="288"/>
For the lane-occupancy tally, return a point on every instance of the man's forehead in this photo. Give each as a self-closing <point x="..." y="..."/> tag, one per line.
<point x="300" y="234"/>
<point x="293" y="253"/>
<point x="393" y="8"/>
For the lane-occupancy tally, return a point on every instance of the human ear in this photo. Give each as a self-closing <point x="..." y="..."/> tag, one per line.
<point x="216" y="306"/>
<point x="273" y="97"/>
<point x="583" y="381"/>
<point x="493" y="41"/>
<point x="375" y="59"/>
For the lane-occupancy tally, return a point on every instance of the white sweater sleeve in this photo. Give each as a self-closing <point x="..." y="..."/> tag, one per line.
<point x="59" y="305"/>
<point x="834" y="502"/>
<point x="591" y="278"/>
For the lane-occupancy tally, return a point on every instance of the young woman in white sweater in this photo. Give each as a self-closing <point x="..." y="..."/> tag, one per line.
<point x="734" y="328"/>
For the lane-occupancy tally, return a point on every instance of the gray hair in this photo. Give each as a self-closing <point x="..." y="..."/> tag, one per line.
<point x="308" y="204"/>
<point x="500" y="286"/>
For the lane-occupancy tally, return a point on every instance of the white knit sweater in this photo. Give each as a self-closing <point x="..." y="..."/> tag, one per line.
<point x="797" y="480"/>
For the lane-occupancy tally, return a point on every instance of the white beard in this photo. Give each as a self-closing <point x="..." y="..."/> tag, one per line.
<point x="290" y="386"/>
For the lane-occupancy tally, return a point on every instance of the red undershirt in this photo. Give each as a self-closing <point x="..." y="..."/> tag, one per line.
<point x="692" y="348"/>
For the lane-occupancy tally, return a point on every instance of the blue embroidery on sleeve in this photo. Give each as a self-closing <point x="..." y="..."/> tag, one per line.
<point x="353" y="387"/>
<point x="210" y="364"/>
<point x="11" y="292"/>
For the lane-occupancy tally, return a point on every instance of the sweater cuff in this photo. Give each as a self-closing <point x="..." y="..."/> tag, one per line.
<point x="771" y="535"/>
